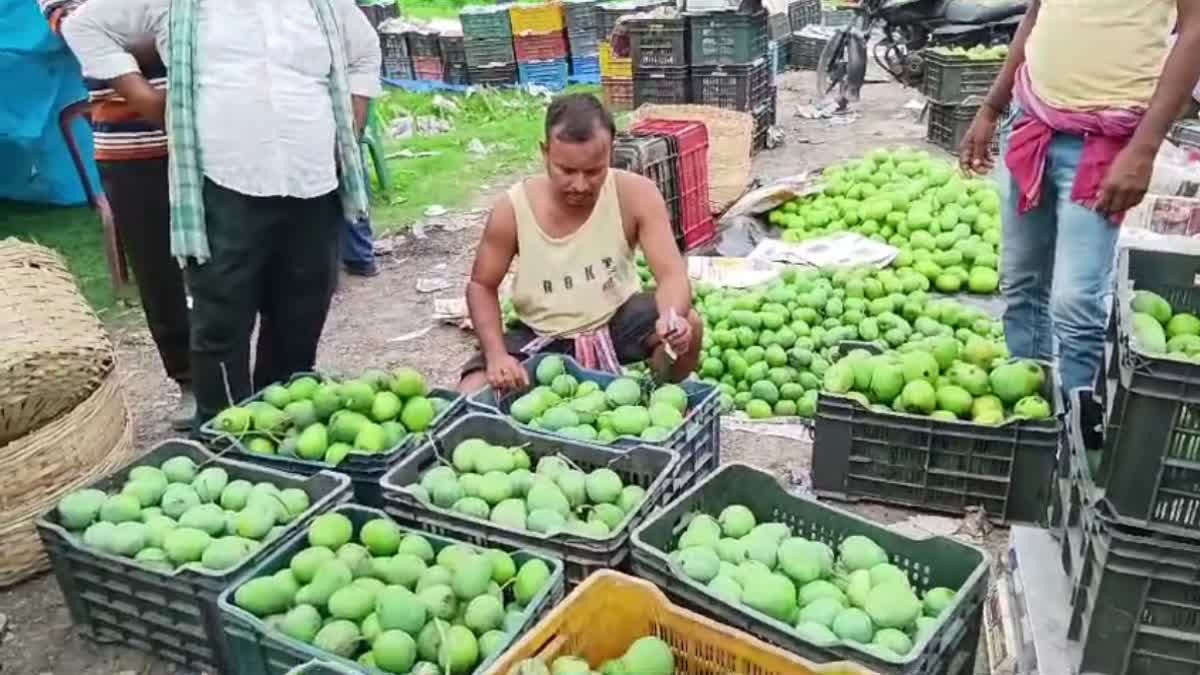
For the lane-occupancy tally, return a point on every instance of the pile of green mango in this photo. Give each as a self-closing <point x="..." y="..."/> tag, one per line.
<point x="1160" y="330"/>
<point x="393" y="601"/>
<point x="325" y="420"/>
<point x="179" y="514"/>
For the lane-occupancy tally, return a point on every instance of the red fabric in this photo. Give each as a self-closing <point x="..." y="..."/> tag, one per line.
<point x="1105" y="133"/>
<point x="594" y="350"/>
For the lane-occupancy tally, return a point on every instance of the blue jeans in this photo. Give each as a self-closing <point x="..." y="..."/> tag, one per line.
<point x="1056" y="266"/>
<point x="356" y="243"/>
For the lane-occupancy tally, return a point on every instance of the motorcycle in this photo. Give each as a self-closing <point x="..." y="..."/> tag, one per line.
<point x="908" y="27"/>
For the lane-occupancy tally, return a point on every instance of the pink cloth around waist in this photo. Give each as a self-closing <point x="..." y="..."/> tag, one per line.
<point x="1105" y="133"/>
<point x="594" y="350"/>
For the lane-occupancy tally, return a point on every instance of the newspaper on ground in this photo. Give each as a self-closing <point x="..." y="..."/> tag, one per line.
<point x="733" y="272"/>
<point x="846" y="249"/>
<point x="767" y="197"/>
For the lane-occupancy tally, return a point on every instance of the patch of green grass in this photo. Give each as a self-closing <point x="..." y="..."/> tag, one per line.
<point x="76" y="233"/>
<point x="508" y="123"/>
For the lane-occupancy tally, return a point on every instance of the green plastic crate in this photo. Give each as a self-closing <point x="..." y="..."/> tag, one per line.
<point x="937" y="561"/>
<point x="258" y="649"/>
<point x="651" y="468"/>
<point x="172" y="615"/>
<point x="727" y="38"/>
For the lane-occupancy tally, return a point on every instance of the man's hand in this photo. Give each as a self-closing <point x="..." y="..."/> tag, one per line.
<point x="1127" y="181"/>
<point x="975" y="153"/>
<point x="505" y="373"/>
<point x="149" y="103"/>
<point x="360" y="105"/>
<point x="675" y="331"/>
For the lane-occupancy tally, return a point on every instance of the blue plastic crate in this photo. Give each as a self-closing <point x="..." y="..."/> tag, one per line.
<point x="550" y="73"/>
<point x="585" y="69"/>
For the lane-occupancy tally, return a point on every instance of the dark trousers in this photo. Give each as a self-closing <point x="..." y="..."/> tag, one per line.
<point x="272" y="257"/>
<point x="137" y="193"/>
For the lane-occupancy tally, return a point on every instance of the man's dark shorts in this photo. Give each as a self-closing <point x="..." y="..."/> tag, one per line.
<point x="629" y="327"/>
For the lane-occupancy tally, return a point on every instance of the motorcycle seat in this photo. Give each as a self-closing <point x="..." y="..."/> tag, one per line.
<point x="981" y="11"/>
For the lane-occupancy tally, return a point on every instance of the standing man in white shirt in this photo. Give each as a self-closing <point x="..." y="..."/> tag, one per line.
<point x="265" y="99"/>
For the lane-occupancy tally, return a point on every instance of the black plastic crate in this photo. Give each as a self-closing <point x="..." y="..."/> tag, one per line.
<point x="173" y="615"/>
<point x="697" y="441"/>
<point x="764" y="118"/>
<point x="483" y="22"/>
<point x="665" y="86"/>
<point x="655" y="156"/>
<point x="741" y="88"/>
<point x="496" y="75"/>
<point x="727" y="38"/>
<point x="805" y="52"/>
<point x="1136" y="601"/>
<point x="936" y="561"/>
<point x="583" y="43"/>
<point x="490" y="51"/>
<point x="424" y="44"/>
<point x="950" y="80"/>
<point x="658" y="43"/>
<point x="261" y="649"/>
<point x="608" y="13"/>
<point x="580" y="16"/>
<point x="837" y="18"/>
<point x="914" y="460"/>
<point x="1150" y="466"/>
<point x="949" y="123"/>
<point x="396" y="63"/>
<point x="650" y="468"/>
<point x="453" y="49"/>
<point x="802" y="13"/>
<point x="364" y="470"/>
<point x="456" y="73"/>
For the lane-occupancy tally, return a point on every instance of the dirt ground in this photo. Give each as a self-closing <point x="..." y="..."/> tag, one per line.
<point x="385" y="321"/>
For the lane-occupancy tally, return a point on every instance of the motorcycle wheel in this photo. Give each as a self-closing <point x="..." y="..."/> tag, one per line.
<point x="833" y="67"/>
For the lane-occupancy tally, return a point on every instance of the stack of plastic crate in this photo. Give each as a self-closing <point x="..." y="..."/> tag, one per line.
<point x="730" y="66"/>
<point x="540" y="44"/>
<point x="426" y="51"/>
<point x="695" y="225"/>
<point x="582" y="42"/>
<point x="488" y="45"/>
<point x="454" y="59"/>
<point x="1129" y="514"/>
<point x="393" y="44"/>
<point x="955" y="86"/>
<point x="658" y="49"/>
<point x="616" y="74"/>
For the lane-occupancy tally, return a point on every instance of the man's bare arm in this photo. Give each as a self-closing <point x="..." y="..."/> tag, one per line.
<point x="674" y="291"/>
<point x="493" y="259"/>
<point x="999" y="96"/>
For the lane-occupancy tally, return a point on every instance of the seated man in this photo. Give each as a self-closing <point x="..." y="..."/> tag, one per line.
<point x="576" y="288"/>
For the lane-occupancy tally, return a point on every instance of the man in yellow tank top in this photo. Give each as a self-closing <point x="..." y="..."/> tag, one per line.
<point x="576" y="289"/>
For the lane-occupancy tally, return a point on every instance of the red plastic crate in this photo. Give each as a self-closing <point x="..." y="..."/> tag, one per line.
<point x="698" y="224"/>
<point x="618" y="93"/>
<point x="428" y="68"/>
<point x="541" y="46"/>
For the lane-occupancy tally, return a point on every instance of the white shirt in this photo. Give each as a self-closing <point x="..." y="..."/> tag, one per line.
<point x="263" y="111"/>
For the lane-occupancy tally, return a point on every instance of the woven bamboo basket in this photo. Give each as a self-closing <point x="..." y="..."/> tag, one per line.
<point x="730" y="136"/>
<point x="88" y="442"/>
<point x="54" y="352"/>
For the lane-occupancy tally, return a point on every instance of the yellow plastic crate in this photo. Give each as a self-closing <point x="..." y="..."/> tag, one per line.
<point x="609" y="610"/>
<point x="545" y="18"/>
<point x="612" y="67"/>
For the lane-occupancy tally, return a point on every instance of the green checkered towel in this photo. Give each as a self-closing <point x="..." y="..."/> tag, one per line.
<point x="189" y="238"/>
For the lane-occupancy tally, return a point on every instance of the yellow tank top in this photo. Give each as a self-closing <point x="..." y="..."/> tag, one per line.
<point x="569" y="285"/>
<point x="1090" y="54"/>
